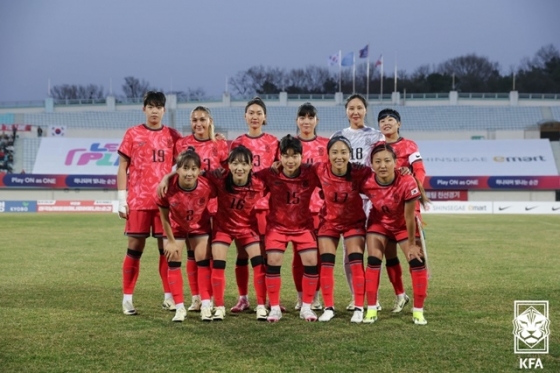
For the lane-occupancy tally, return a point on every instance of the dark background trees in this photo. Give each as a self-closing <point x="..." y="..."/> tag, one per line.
<point x="468" y="73"/>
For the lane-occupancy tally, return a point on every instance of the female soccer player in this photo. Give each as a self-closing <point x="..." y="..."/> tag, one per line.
<point x="392" y="217"/>
<point x="213" y="154"/>
<point x="289" y="220"/>
<point x="362" y="138"/>
<point x="140" y="169"/>
<point x="185" y="217"/>
<point x="343" y="214"/>
<point x="409" y="161"/>
<point x="314" y="150"/>
<point x="264" y="148"/>
<point x="238" y="191"/>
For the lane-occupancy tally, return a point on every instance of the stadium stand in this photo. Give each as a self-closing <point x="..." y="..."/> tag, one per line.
<point x="332" y="118"/>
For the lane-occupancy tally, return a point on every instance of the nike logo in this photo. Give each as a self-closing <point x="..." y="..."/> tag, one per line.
<point x="417" y="156"/>
<point x="503" y="208"/>
<point x="555" y="208"/>
<point x="530" y="208"/>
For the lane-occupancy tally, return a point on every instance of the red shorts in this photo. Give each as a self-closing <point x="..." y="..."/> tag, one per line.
<point x="241" y="240"/>
<point x="276" y="241"/>
<point x="316" y="220"/>
<point x="261" y="220"/>
<point x="394" y="235"/>
<point x="143" y="223"/>
<point x="330" y="231"/>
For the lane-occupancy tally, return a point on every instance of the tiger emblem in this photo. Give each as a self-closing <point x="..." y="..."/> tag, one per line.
<point x="531" y="327"/>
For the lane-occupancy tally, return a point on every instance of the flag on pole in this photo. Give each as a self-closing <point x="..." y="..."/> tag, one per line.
<point x="364" y="52"/>
<point x="57" y="131"/>
<point x="334" y="59"/>
<point x="379" y="62"/>
<point x="348" y="59"/>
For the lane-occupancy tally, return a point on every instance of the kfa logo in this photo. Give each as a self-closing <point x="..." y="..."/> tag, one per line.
<point x="531" y="331"/>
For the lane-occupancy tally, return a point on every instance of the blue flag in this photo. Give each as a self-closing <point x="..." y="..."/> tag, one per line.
<point x="364" y="53"/>
<point x="348" y="59"/>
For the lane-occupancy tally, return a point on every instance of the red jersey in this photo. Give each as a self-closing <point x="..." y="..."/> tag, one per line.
<point x="150" y="156"/>
<point x="387" y="201"/>
<point x="236" y="215"/>
<point x="213" y="154"/>
<point x="289" y="200"/>
<point x="315" y="150"/>
<point x="265" y="152"/>
<point x="343" y="203"/>
<point x="187" y="208"/>
<point x="409" y="156"/>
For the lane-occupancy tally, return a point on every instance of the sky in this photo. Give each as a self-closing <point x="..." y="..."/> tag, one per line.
<point x="181" y="44"/>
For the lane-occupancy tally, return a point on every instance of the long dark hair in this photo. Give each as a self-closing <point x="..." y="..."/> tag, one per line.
<point x="242" y="154"/>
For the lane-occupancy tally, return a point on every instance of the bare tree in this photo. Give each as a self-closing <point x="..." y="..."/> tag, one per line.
<point x="472" y="72"/>
<point x="77" y="92"/>
<point x="134" y="88"/>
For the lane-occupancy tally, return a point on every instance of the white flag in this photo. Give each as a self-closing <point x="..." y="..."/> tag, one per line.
<point x="57" y="131"/>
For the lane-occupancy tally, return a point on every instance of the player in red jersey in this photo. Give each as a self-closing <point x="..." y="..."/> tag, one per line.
<point x="409" y="161"/>
<point x="264" y="148"/>
<point x="392" y="217"/>
<point x="314" y="150"/>
<point x="289" y="220"/>
<point x="238" y="192"/>
<point x="213" y="154"/>
<point x="146" y="154"/>
<point x="343" y="215"/>
<point x="185" y="217"/>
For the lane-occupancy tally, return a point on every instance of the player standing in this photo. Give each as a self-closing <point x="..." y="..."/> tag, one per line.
<point x="238" y="192"/>
<point x="314" y="150"/>
<point x="361" y="138"/>
<point x="184" y="214"/>
<point x="342" y="214"/>
<point x="289" y="220"/>
<point x="392" y="218"/>
<point x="409" y="161"/>
<point x="213" y="154"/>
<point x="264" y="148"/>
<point x="146" y="154"/>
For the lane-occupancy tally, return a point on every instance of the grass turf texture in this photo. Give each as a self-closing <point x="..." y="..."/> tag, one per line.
<point x="60" y="305"/>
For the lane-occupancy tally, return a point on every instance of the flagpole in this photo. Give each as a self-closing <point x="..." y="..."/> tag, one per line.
<point x="353" y="73"/>
<point x="381" y="83"/>
<point x="367" y="76"/>
<point x="340" y="70"/>
<point x="395" y="90"/>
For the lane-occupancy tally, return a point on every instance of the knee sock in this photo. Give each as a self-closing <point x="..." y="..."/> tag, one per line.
<point x="242" y="276"/>
<point x="372" y="279"/>
<point x="394" y="271"/>
<point x="192" y="273"/>
<point x="327" y="279"/>
<point x="130" y="270"/>
<point x="204" y="282"/>
<point x="218" y="282"/>
<point x="309" y="284"/>
<point x="273" y="284"/>
<point x="419" y="282"/>
<point x="175" y="280"/>
<point x="259" y="279"/>
<point x="358" y="278"/>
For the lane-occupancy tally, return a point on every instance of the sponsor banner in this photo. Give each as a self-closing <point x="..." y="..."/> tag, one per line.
<point x="493" y="182"/>
<point x="527" y="208"/>
<point x="18" y="206"/>
<point x="74" y="206"/>
<point x="458" y="207"/>
<point x="527" y="157"/>
<point x="60" y="155"/>
<point x="448" y="195"/>
<point x="498" y="207"/>
<point x="20" y="127"/>
<point x="58" y="181"/>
